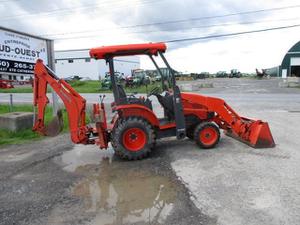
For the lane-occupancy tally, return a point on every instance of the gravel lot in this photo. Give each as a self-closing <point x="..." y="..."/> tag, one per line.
<point x="54" y="182"/>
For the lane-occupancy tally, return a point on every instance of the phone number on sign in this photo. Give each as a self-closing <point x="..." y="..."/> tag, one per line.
<point x="17" y="65"/>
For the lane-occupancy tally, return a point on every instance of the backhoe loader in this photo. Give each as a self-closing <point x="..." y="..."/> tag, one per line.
<point x="135" y="128"/>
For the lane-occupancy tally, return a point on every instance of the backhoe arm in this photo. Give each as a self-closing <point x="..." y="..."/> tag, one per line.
<point x="74" y="103"/>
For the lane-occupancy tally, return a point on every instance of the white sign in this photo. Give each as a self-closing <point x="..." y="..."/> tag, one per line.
<point x="18" y="52"/>
<point x="284" y="73"/>
<point x="295" y="61"/>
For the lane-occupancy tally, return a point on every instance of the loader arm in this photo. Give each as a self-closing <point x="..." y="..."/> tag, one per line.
<point x="74" y="103"/>
<point x="255" y="133"/>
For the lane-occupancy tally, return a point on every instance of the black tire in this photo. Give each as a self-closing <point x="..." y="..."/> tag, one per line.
<point x="119" y="136"/>
<point x="210" y="138"/>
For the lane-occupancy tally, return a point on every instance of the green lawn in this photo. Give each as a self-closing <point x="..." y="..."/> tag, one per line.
<point x="25" y="89"/>
<point x="19" y="137"/>
<point x="91" y="86"/>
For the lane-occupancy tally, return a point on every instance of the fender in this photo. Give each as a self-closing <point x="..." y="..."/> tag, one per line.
<point x="139" y="111"/>
<point x="192" y="106"/>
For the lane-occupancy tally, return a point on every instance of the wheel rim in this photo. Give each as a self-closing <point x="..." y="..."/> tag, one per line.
<point x="134" y="139"/>
<point x="208" y="136"/>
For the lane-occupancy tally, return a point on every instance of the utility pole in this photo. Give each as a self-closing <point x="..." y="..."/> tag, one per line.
<point x="51" y="64"/>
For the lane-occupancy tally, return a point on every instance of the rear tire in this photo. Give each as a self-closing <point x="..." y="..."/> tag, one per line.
<point x="133" y="138"/>
<point x="207" y="135"/>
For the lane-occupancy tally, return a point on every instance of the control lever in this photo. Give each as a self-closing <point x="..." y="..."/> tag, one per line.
<point x="102" y="98"/>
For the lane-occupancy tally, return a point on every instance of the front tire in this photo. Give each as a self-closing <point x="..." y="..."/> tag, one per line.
<point x="207" y="135"/>
<point x="133" y="138"/>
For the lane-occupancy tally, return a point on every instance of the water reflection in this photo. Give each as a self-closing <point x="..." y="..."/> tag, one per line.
<point x="82" y="155"/>
<point x="121" y="196"/>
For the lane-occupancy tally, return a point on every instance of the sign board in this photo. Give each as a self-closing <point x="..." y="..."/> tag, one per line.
<point x="19" y="52"/>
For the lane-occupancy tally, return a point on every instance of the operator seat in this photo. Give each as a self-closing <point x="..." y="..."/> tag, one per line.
<point x="168" y="105"/>
<point x="122" y="93"/>
<point x="131" y="99"/>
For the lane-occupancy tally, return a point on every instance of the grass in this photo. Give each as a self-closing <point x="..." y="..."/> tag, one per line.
<point x="21" y="136"/>
<point x="25" y="89"/>
<point x="94" y="86"/>
<point x="91" y="86"/>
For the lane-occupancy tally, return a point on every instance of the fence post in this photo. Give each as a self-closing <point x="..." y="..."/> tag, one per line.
<point x="10" y="103"/>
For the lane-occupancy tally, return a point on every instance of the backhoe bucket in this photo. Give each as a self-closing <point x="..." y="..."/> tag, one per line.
<point x="55" y="126"/>
<point x="258" y="135"/>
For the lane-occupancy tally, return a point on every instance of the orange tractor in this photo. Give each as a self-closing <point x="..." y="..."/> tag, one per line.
<point x="135" y="128"/>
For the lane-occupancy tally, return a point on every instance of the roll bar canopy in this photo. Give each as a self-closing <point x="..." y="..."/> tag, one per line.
<point x="105" y="52"/>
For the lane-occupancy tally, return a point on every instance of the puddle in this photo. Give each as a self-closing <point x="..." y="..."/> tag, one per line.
<point x="126" y="197"/>
<point x="119" y="192"/>
<point x="83" y="155"/>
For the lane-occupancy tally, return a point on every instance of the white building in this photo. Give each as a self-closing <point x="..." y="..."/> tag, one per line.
<point x="78" y="63"/>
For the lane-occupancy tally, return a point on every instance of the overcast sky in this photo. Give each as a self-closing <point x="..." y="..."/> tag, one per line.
<point x="77" y="24"/>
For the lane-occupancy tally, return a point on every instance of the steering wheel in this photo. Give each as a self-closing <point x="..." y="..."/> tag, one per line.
<point x="132" y="95"/>
<point x="155" y="91"/>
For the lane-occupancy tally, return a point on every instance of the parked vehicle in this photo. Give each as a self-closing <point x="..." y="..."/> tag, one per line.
<point x="234" y="73"/>
<point x="140" y="77"/>
<point x="201" y="75"/>
<point x="221" y="74"/>
<point x="6" y="84"/>
<point x="106" y="82"/>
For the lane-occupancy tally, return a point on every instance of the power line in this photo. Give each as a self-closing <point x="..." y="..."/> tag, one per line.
<point x="220" y="25"/>
<point x="206" y="37"/>
<point x="10" y="1"/>
<point x="231" y="34"/>
<point x="214" y="17"/>
<point x="189" y="28"/>
<point x="185" y="20"/>
<point x="52" y="11"/>
<point x="70" y="9"/>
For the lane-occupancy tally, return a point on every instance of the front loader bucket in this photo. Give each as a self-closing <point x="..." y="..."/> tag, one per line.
<point x="55" y="126"/>
<point x="258" y="135"/>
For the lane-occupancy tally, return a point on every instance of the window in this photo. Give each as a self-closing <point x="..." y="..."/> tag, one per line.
<point x="22" y="77"/>
<point x="87" y="60"/>
<point x="14" y="77"/>
<point x="55" y="60"/>
<point x="70" y="61"/>
<point x="0" y="76"/>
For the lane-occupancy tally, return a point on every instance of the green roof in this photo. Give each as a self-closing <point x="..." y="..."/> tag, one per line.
<point x="295" y="48"/>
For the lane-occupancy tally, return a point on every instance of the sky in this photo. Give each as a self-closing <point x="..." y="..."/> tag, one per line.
<point x="78" y="24"/>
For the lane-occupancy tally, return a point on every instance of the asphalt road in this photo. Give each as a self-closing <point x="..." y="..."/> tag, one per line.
<point x="53" y="181"/>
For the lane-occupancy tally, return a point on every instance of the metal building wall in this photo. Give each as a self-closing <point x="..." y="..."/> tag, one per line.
<point x="294" y="52"/>
<point x="78" y="62"/>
